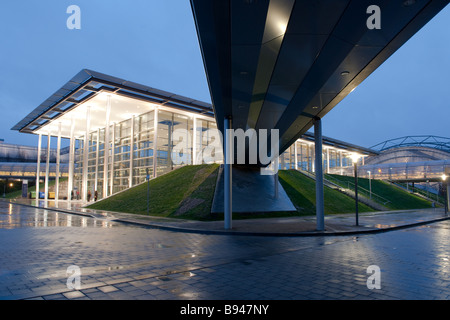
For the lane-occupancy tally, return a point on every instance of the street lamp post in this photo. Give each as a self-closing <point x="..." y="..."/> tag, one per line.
<point x="370" y="185"/>
<point x="444" y="177"/>
<point x="355" y="158"/>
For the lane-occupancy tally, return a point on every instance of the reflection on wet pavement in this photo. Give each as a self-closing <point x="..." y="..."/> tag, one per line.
<point x="123" y="261"/>
<point x="16" y="216"/>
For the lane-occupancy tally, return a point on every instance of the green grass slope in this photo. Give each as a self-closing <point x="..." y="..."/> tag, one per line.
<point x="398" y="199"/>
<point x="301" y="191"/>
<point x="187" y="191"/>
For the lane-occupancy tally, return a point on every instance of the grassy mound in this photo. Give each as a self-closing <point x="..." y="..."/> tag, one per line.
<point x="301" y="190"/>
<point x="187" y="191"/>
<point x="398" y="199"/>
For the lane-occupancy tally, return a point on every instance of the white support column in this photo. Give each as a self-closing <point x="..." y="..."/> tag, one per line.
<point x="97" y="145"/>
<point x="194" y="141"/>
<point x="58" y="162"/>
<point x="47" y="167"/>
<point x="320" y="209"/>
<point x="111" y="171"/>
<point x="328" y="160"/>
<point x="447" y="195"/>
<point x="308" y="158"/>
<point x="130" y="177"/>
<point x="301" y="156"/>
<point x="155" y="143"/>
<point x="38" y="169"/>
<point x="71" y="161"/>
<point x="228" y="173"/>
<point x="85" y="154"/>
<point x="106" y="147"/>
<point x="295" y="156"/>
<point x="275" y="176"/>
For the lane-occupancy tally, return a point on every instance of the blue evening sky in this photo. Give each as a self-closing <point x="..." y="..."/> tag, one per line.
<point x="154" y="42"/>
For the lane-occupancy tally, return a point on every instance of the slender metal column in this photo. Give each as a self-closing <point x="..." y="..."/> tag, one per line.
<point x="275" y="176"/>
<point x="130" y="177"/>
<point x="58" y="161"/>
<point x="194" y="141"/>
<point x="38" y="169"/>
<point x="47" y="167"/>
<point x="106" y="147"/>
<point x="113" y="148"/>
<point x="227" y="173"/>
<point x="328" y="160"/>
<point x="295" y="156"/>
<point x="85" y="154"/>
<point x="155" y="143"/>
<point x="320" y="209"/>
<point x="71" y="161"/>
<point x="447" y="195"/>
<point x="355" y="166"/>
<point x="97" y="151"/>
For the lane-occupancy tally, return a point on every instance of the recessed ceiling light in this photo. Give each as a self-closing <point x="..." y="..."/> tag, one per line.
<point x="408" y="3"/>
<point x="345" y="73"/>
<point x="315" y="107"/>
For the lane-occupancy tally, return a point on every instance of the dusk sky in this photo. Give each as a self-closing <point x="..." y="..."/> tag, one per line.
<point x="154" y="42"/>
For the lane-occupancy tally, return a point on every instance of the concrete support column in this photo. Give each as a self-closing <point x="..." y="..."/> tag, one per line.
<point x="227" y="173"/>
<point x="47" y="167"/>
<point x="38" y="169"/>
<point x="320" y="209"/>
<point x="58" y="162"/>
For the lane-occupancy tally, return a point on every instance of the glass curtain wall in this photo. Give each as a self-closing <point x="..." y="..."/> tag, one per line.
<point x="130" y="160"/>
<point x="144" y="137"/>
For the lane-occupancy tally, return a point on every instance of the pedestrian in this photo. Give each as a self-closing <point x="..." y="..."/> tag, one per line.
<point x="95" y="195"/>
<point x="89" y="195"/>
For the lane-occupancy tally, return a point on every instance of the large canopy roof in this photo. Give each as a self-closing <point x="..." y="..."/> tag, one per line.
<point x="279" y="64"/>
<point x="90" y="88"/>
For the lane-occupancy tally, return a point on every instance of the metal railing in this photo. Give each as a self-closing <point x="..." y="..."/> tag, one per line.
<point x="351" y="186"/>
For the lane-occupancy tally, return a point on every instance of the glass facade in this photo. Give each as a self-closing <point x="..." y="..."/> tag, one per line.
<point x="301" y="156"/>
<point x="144" y="146"/>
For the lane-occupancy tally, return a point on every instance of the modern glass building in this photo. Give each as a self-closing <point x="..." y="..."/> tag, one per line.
<point x="121" y="133"/>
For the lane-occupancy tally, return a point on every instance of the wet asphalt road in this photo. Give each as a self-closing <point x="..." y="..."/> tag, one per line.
<point x="120" y="261"/>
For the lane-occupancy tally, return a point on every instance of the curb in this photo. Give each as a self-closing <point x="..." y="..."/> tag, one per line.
<point x="246" y="233"/>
